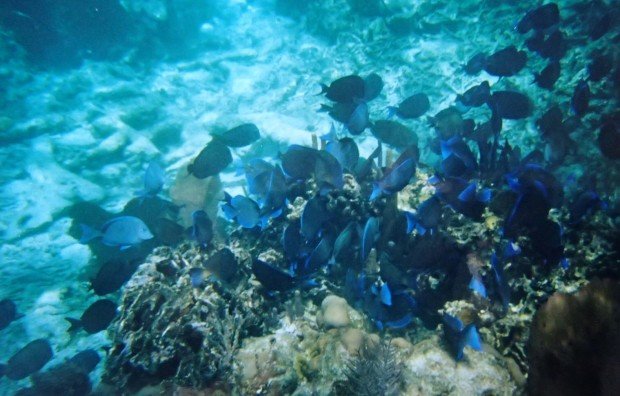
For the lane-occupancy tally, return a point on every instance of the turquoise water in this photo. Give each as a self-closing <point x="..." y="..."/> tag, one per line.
<point x="92" y="92"/>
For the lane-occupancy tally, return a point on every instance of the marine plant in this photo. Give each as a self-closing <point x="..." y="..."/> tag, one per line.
<point x="375" y="370"/>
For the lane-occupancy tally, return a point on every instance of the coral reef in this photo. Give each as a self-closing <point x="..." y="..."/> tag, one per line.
<point x="574" y="346"/>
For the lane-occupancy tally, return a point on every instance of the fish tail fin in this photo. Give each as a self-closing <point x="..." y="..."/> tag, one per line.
<point x="376" y="191"/>
<point x="88" y="233"/>
<point x="76" y="324"/>
<point x="471" y="337"/>
<point x="324" y="88"/>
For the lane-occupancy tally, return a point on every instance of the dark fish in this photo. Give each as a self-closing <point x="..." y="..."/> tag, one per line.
<point x="122" y="231"/>
<point x="202" y="228"/>
<point x="394" y="133"/>
<point x="222" y="264"/>
<point x="167" y="232"/>
<point x="369" y="237"/>
<point x="580" y="101"/>
<point x="548" y="76"/>
<point x="547" y="239"/>
<point x="609" y="137"/>
<point x="346" y="89"/>
<point x="313" y="217"/>
<point x="213" y="159"/>
<point x="245" y="211"/>
<point x="427" y="216"/>
<point x="28" y="360"/>
<point x="505" y="62"/>
<point x="412" y="107"/>
<point x="584" y="203"/>
<point x="239" y="136"/>
<point x="154" y="178"/>
<point x="359" y="120"/>
<point x="540" y="18"/>
<point x="551" y="122"/>
<point x="272" y="278"/>
<point x="257" y="175"/>
<point x="373" y="84"/>
<point x="346" y="152"/>
<point x="62" y="379"/>
<point x="501" y="284"/>
<point x="8" y="313"/>
<point x="600" y="26"/>
<point x="341" y="112"/>
<point x="112" y="275"/>
<point x="298" y="162"/>
<point x="96" y="317"/>
<point x="395" y="178"/>
<point x="475" y="96"/>
<point x="476" y="64"/>
<point x="553" y="47"/>
<point x="328" y="172"/>
<point x="456" y="149"/>
<point x="459" y="336"/>
<point x="448" y="123"/>
<point x="292" y="240"/>
<point x="600" y="67"/>
<point x="85" y="360"/>
<point x="533" y="177"/>
<point x="511" y="105"/>
<point x="536" y="42"/>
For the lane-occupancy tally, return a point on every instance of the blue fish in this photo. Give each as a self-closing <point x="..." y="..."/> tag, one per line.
<point x="396" y="178"/>
<point x="383" y="292"/>
<point x="398" y="315"/>
<point x="313" y="217"/>
<point x="243" y="210"/>
<point x="369" y="237"/>
<point x="459" y="336"/>
<point x="273" y="202"/>
<point x="202" y="228"/>
<point x="154" y="178"/>
<point x="477" y="286"/>
<point x="359" y="120"/>
<point x="457" y="157"/>
<point x="318" y="258"/>
<point x="426" y="218"/>
<point x="462" y="196"/>
<point x="343" y="241"/>
<point x="272" y="278"/>
<point x="373" y="84"/>
<point x="345" y="151"/>
<point x="122" y="231"/>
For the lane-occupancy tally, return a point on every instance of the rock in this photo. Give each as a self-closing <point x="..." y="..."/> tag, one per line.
<point x="334" y="312"/>
<point x="431" y="370"/>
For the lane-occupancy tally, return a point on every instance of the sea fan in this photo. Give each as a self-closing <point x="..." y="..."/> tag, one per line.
<point x="375" y="370"/>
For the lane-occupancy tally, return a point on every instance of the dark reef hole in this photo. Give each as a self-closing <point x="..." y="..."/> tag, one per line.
<point x="168" y="368"/>
<point x="193" y="338"/>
